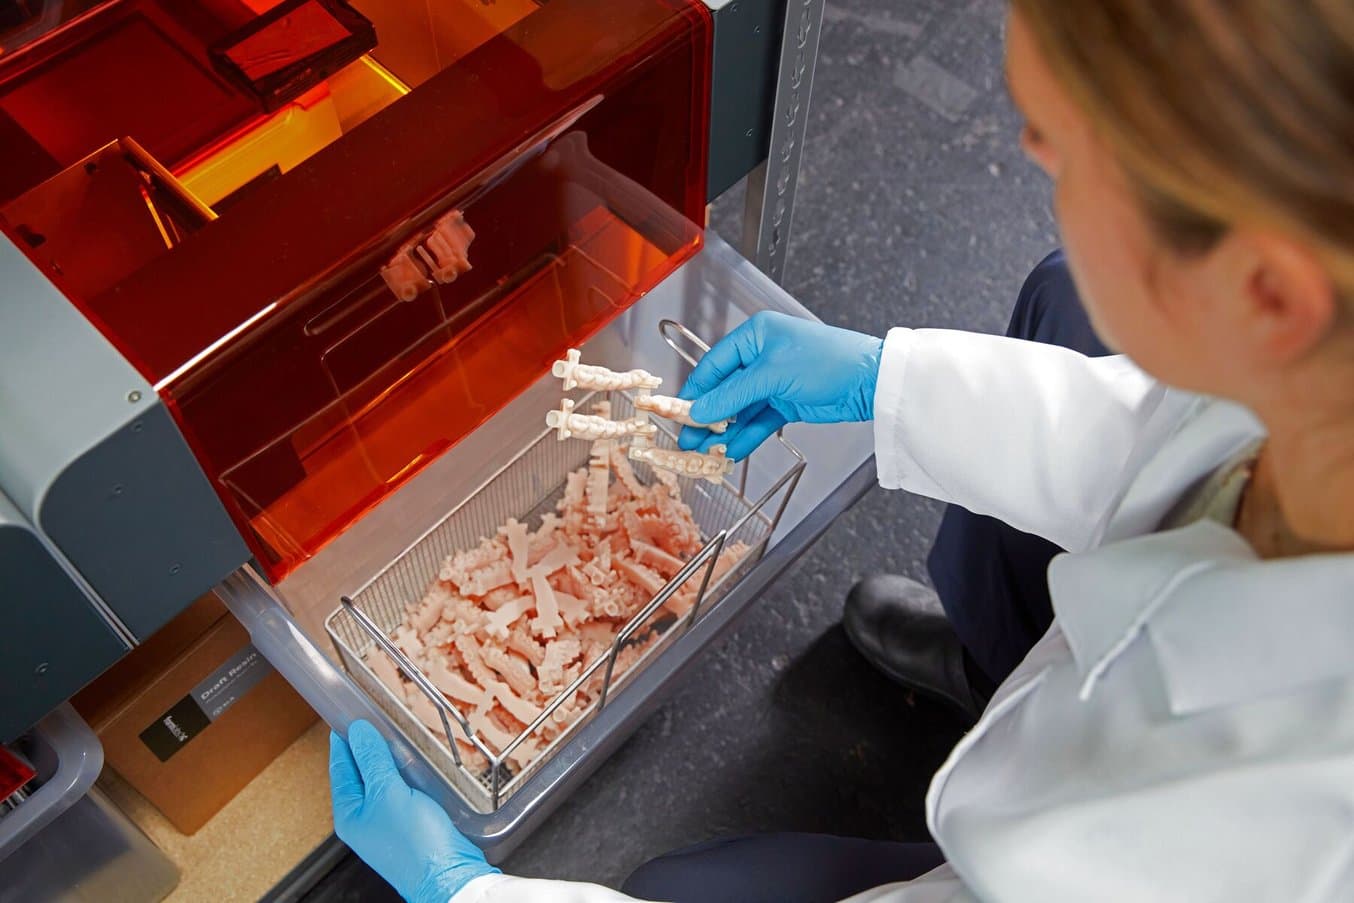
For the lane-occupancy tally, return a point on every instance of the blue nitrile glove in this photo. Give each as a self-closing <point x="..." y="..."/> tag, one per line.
<point x="398" y="831"/>
<point x="776" y="369"/>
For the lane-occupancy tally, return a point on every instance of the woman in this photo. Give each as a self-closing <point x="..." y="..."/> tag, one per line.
<point x="1185" y="730"/>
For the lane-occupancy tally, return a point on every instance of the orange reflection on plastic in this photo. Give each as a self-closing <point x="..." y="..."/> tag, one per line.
<point x="575" y="144"/>
<point x="407" y="414"/>
<point x="137" y="210"/>
<point x="134" y="68"/>
<point x="308" y="30"/>
<point x="418" y="39"/>
<point x="282" y="142"/>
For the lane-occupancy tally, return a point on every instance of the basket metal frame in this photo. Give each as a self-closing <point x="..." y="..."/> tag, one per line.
<point x="674" y="334"/>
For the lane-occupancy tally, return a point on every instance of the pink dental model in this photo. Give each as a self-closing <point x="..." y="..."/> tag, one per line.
<point x="445" y="250"/>
<point x="403" y="275"/>
<point x="588" y="376"/>
<point x="677" y="410"/>
<point x="439" y="256"/>
<point x="713" y="466"/>
<point x="592" y="427"/>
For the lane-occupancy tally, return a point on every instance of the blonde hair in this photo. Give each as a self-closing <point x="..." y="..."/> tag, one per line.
<point x="1222" y="112"/>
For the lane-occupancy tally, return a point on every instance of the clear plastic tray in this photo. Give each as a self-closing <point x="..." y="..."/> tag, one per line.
<point x="713" y="293"/>
<point x="66" y="841"/>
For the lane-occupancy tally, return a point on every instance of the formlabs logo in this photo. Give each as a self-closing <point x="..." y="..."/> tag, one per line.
<point x="179" y="733"/>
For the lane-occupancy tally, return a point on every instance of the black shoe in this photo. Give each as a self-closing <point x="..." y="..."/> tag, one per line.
<point x="901" y="629"/>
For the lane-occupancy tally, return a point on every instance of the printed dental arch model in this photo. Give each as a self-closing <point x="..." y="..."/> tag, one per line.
<point x="592" y="426"/>
<point x="435" y="257"/>
<point x="675" y="409"/>
<point x="713" y="466"/>
<point x="587" y="376"/>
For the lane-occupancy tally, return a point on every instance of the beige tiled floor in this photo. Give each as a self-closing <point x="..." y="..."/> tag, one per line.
<point x="257" y="838"/>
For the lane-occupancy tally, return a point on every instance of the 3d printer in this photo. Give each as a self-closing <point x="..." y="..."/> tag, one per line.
<point x="281" y="284"/>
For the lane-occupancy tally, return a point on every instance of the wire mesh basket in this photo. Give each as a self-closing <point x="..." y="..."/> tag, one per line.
<point x="528" y="487"/>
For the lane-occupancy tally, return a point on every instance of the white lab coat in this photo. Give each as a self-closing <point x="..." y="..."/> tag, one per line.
<point x="1185" y="730"/>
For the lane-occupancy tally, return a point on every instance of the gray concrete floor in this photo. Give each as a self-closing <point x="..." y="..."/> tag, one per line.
<point x="915" y="208"/>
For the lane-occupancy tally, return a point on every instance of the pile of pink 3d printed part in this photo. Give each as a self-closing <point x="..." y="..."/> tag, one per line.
<point x="508" y="625"/>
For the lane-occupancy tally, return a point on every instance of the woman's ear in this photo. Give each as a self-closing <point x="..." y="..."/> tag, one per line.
<point x="1289" y="303"/>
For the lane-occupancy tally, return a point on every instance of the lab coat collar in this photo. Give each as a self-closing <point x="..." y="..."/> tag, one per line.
<point x="1225" y="626"/>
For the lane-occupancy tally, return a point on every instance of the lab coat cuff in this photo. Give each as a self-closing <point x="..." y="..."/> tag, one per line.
<point x="479" y="890"/>
<point x="514" y="889"/>
<point x="889" y="429"/>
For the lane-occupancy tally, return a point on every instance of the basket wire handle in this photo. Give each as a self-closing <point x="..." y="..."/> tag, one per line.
<point x="667" y="328"/>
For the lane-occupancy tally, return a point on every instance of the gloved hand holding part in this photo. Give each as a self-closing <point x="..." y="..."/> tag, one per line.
<point x="776" y="369"/>
<point x="398" y="831"/>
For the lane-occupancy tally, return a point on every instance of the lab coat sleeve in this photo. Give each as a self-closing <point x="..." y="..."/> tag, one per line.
<point x="1266" y="834"/>
<point x="1043" y="438"/>
<point x="511" y="889"/>
<point x="940" y="885"/>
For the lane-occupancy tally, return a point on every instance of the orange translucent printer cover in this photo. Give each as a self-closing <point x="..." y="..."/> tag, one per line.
<point x="338" y="236"/>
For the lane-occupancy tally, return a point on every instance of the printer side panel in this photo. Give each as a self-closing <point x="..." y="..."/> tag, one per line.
<point x="91" y="458"/>
<point x="54" y="639"/>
